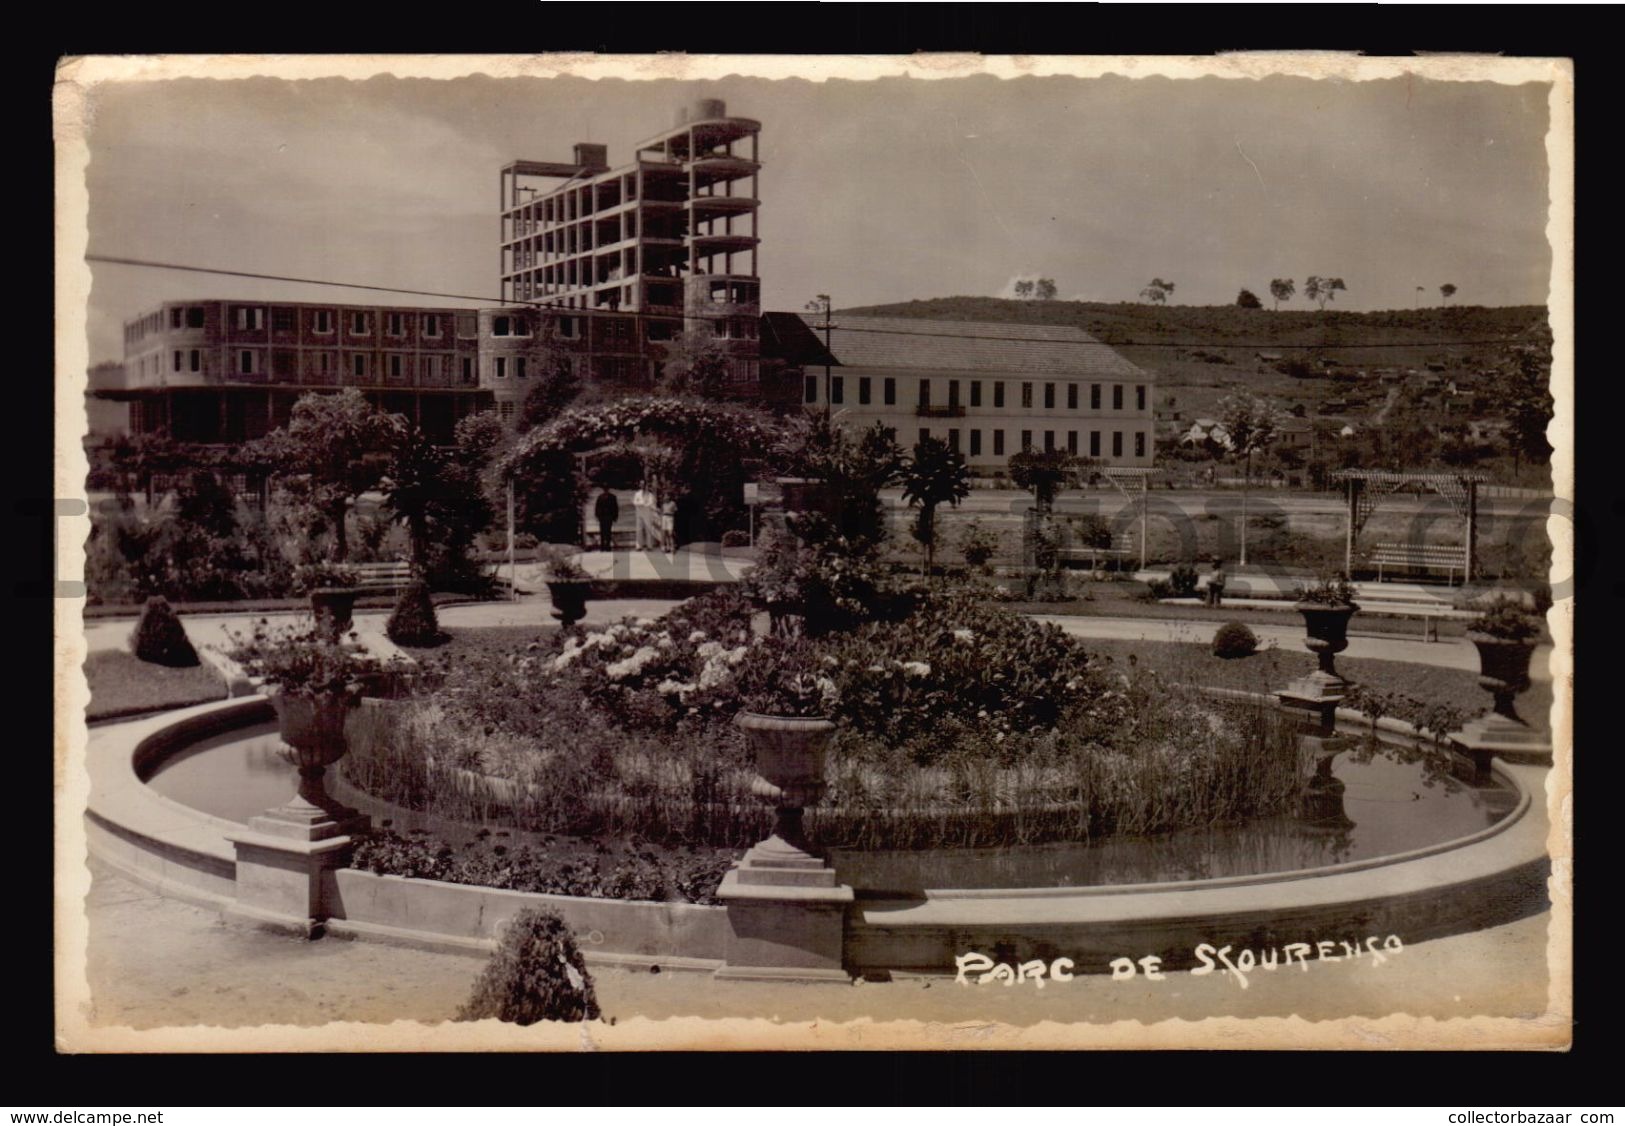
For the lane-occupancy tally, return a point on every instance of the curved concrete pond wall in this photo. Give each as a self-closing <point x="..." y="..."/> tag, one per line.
<point x="1488" y="877"/>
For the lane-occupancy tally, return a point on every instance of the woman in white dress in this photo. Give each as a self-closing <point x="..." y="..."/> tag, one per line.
<point x="642" y="502"/>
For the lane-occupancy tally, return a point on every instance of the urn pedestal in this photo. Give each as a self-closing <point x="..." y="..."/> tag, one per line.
<point x="333" y="607"/>
<point x="1314" y="698"/>
<point x="786" y="912"/>
<point x="286" y="856"/>
<point x="1504" y="673"/>
<point x="569" y="600"/>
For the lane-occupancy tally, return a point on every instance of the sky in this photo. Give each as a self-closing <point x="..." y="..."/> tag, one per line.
<point x="880" y="191"/>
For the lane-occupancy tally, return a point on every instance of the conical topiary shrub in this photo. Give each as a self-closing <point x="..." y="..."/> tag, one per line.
<point x="160" y="638"/>
<point x="414" y="621"/>
<point x="537" y="973"/>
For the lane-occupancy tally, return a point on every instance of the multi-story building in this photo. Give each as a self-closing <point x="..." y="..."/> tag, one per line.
<point x="641" y="253"/>
<point x="988" y="390"/>
<point x="226" y="371"/>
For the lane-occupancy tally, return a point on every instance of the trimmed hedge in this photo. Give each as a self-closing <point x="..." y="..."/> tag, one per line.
<point x="1233" y="639"/>
<point x="159" y="637"/>
<point x="414" y="621"/>
<point x="537" y="973"/>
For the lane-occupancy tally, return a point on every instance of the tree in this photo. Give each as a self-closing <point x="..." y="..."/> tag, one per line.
<point x="1251" y="422"/>
<point x="556" y="387"/>
<point x="694" y="364"/>
<point x="1522" y="395"/>
<point x="1043" y="473"/>
<point x="1044" y="289"/>
<point x="1157" y="292"/>
<point x="1447" y="291"/>
<point x="1247" y="299"/>
<point x="936" y="474"/>
<point x="334" y="448"/>
<point x="854" y="469"/>
<point x="1321" y="290"/>
<point x="1024" y="289"/>
<point x="1282" y="289"/>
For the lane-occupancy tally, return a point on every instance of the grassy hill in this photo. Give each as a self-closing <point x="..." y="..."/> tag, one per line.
<point x="1199" y="352"/>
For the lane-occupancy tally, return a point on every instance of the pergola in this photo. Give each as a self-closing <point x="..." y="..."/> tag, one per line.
<point x="1368" y="488"/>
<point x="1131" y="483"/>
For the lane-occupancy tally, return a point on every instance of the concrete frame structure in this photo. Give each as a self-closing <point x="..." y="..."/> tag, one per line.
<point x="224" y="371"/>
<point x="670" y="238"/>
<point x="988" y="389"/>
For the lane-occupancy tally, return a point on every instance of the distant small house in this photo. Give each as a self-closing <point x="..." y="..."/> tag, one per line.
<point x="1346" y="432"/>
<point x="1435" y="365"/>
<point x="1294" y="434"/>
<point x="1486" y="429"/>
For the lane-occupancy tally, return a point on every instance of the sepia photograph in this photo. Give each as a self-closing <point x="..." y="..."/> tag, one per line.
<point x="774" y="552"/>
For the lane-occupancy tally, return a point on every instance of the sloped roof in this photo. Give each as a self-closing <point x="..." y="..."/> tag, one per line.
<point x="976" y="346"/>
<point x="786" y="336"/>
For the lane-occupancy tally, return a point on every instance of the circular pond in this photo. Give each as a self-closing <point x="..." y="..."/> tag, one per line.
<point x="1396" y="800"/>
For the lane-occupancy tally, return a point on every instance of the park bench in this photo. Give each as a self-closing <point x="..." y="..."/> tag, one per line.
<point x="380" y="577"/>
<point x="1075" y="554"/>
<point x="1418" y="556"/>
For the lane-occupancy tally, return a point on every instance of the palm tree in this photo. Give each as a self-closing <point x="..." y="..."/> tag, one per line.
<point x="935" y="474"/>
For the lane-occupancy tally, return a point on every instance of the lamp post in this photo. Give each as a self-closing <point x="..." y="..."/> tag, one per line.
<point x="821" y="304"/>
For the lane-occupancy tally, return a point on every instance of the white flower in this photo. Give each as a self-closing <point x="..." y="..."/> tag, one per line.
<point x="738" y="654"/>
<point x="916" y="668"/>
<point x="697" y="636"/>
<point x="965" y="635"/>
<point x="671" y="686"/>
<point x="631" y="666"/>
<point x="709" y="649"/>
<point x="713" y="674"/>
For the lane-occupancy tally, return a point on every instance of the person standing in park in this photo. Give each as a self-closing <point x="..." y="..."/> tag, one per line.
<point x="607" y="509"/>
<point x="1215" y="583"/>
<point x="668" y="525"/>
<point x="642" y="502"/>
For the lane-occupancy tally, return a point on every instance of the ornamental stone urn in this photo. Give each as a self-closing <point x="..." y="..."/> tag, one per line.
<point x="786" y="913"/>
<point x="1317" y="695"/>
<point x="314" y="729"/>
<point x="569" y="599"/>
<point x="333" y="608"/>
<point x="1504" y="673"/>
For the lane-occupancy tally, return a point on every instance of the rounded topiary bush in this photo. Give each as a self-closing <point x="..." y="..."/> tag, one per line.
<point x="413" y="621"/>
<point x="537" y="973"/>
<point x="160" y="638"/>
<point x="1182" y="580"/>
<point x="1234" y="640"/>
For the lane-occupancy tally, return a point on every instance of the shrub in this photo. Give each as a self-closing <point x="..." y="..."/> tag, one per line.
<point x="1233" y="639"/>
<point x="160" y="638"/>
<point x="1182" y="580"/>
<point x="735" y="538"/>
<point x="537" y="973"/>
<point x="978" y="546"/>
<point x="413" y="621"/>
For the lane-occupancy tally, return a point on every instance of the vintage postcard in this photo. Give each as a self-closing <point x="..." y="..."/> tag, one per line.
<point x="733" y="552"/>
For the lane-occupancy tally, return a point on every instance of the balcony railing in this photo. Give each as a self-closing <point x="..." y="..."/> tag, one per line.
<point x="928" y="411"/>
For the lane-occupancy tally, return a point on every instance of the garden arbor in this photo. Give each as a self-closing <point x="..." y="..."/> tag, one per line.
<point x="703" y="450"/>
<point x="1135" y="485"/>
<point x="1366" y="489"/>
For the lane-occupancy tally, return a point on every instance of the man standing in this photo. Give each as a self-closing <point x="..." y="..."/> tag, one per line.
<point x="1215" y="584"/>
<point x="607" y="509"/>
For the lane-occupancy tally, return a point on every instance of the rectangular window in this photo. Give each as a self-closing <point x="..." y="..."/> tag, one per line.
<point x="197" y="360"/>
<point x="431" y="324"/>
<point x="501" y="326"/>
<point x="1117" y="443"/>
<point x="358" y="364"/>
<point x="1071" y="396"/>
<point x="975" y="443"/>
<point x="1049" y="396"/>
<point x="1094" y="396"/>
<point x="925" y="432"/>
<point x="282" y="320"/>
<point x="1139" y="443"/>
<point x="1071" y="441"/>
<point x="245" y="363"/>
<point x="864" y="388"/>
<point x="925" y="392"/>
<point x="175" y="316"/>
<point x="953" y="392"/>
<point x="248" y="317"/>
<point x="1026" y="439"/>
<point x="998" y="443"/>
<point x="519" y="367"/>
<point x="567" y="328"/>
<point x="177" y="361"/>
<point x="501" y="368"/>
<point x="1139" y="396"/>
<point x="1049" y="441"/>
<point x="1117" y="396"/>
<point x="998" y="394"/>
<point x="194" y="316"/>
<point x="322" y="321"/>
<point x="468" y="369"/>
<point x="953" y="439"/>
<point x="810" y="389"/>
<point x="889" y="391"/>
<point x="1094" y="443"/>
<point x="837" y="389"/>
<point x="394" y="367"/>
<point x="1027" y="396"/>
<point x="395" y="324"/>
<point x="358" y="324"/>
<point x="327" y="363"/>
